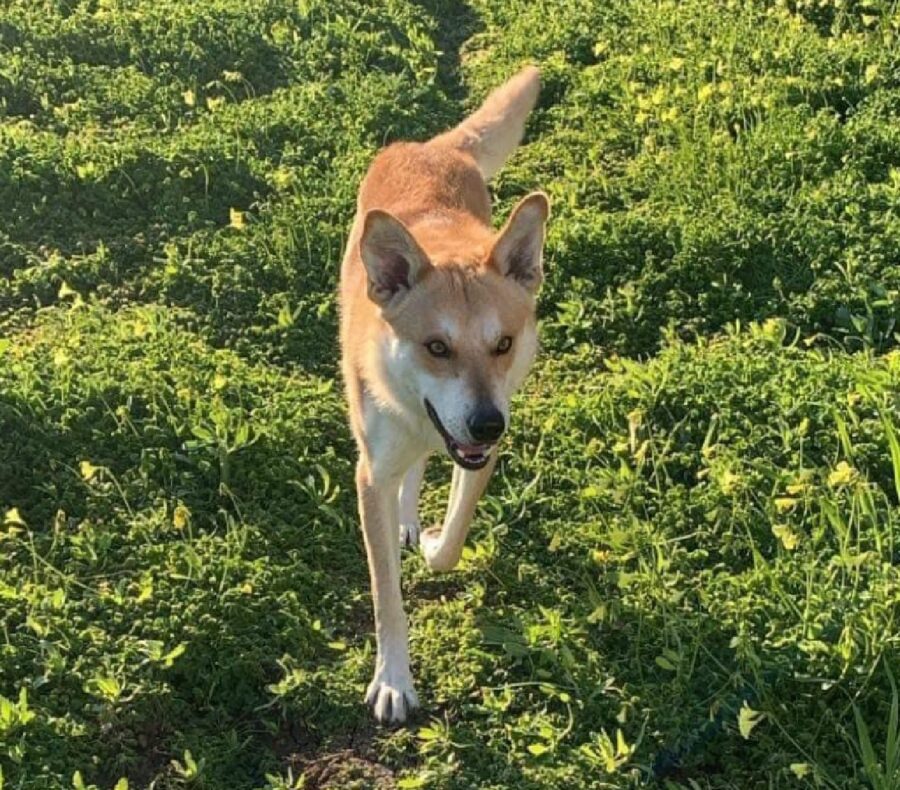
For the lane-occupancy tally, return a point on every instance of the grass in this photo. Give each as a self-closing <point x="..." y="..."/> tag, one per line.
<point x="685" y="573"/>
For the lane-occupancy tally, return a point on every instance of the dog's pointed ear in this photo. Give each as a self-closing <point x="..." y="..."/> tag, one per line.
<point x="518" y="251"/>
<point x="393" y="259"/>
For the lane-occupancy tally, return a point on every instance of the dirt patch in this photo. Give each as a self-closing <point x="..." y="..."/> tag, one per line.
<point x="346" y="770"/>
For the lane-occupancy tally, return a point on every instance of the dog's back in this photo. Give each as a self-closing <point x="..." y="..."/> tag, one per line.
<point x="450" y="171"/>
<point x="438" y="188"/>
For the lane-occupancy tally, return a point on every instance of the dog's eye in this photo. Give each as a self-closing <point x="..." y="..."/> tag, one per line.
<point x="437" y="348"/>
<point x="504" y="345"/>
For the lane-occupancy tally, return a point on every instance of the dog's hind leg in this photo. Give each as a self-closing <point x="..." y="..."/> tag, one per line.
<point x="409" y="503"/>
<point x="443" y="547"/>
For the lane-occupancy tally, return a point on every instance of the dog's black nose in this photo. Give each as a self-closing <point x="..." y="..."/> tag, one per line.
<point x="486" y="423"/>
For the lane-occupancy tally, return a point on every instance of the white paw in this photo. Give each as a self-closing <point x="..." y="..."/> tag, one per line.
<point x="392" y="696"/>
<point x="409" y="532"/>
<point x="436" y="556"/>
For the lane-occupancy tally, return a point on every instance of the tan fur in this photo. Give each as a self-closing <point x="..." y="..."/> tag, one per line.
<point x="496" y="128"/>
<point x="423" y="265"/>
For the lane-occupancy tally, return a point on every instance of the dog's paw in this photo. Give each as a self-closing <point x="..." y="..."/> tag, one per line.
<point x="435" y="558"/>
<point x="392" y="696"/>
<point x="409" y="533"/>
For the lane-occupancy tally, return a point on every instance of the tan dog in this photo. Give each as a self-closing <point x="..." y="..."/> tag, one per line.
<point x="437" y="332"/>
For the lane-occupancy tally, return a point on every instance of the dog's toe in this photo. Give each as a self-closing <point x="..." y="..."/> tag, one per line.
<point x="392" y="699"/>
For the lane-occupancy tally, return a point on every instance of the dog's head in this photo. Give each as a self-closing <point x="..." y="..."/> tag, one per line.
<point x="462" y="328"/>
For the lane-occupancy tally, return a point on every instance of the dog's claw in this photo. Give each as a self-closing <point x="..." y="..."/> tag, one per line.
<point x="409" y="533"/>
<point x="392" y="698"/>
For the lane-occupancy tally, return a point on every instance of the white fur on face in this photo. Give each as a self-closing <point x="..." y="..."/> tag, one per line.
<point x="451" y="397"/>
<point x="454" y="398"/>
<point x="490" y="329"/>
<point x="450" y="329"/>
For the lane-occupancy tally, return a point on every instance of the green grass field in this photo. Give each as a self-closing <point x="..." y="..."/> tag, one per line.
<point x="686" y="573"/>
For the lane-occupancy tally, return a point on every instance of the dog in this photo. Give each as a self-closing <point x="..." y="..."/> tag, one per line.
<point x="437" y="333"/>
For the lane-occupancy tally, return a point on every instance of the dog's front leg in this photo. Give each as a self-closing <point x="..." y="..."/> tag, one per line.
<point x="443" y="547"/>
<point x="391" y="692"/>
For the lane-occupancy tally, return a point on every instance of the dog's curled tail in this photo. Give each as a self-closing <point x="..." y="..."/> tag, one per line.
<point x="493" y="131"/>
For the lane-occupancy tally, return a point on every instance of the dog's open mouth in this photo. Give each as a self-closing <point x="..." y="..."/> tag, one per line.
<point x="468" y="456"/>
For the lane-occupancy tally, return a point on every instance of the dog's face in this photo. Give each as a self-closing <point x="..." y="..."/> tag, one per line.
<point x="460" y="349"/>
<point x="462" y="333"/>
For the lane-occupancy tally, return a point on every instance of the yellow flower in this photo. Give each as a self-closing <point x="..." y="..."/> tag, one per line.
<point x="181" y="516"/>
<point x="800" y="769"/>
<point x="706" y="92"/>
<point x="729" y="481"/>
<point x="801" y="483"/>
<point x="86" y="170"/>
<point x="783" y="504"/>
<point x="283" y="177"/>
<point x="88" y="470"/>
<point x="789" y="539"/>
<point x="236" y="218"/>
<point x="842" y="475"/>
<point x="671" y="114"/>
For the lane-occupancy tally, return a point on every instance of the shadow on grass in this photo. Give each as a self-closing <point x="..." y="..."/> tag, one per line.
<point x="456" y="22"/>
<point x="148" y="197"/>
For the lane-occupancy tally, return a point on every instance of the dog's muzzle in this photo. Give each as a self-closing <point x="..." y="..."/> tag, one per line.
<point x="468" y="456"/>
